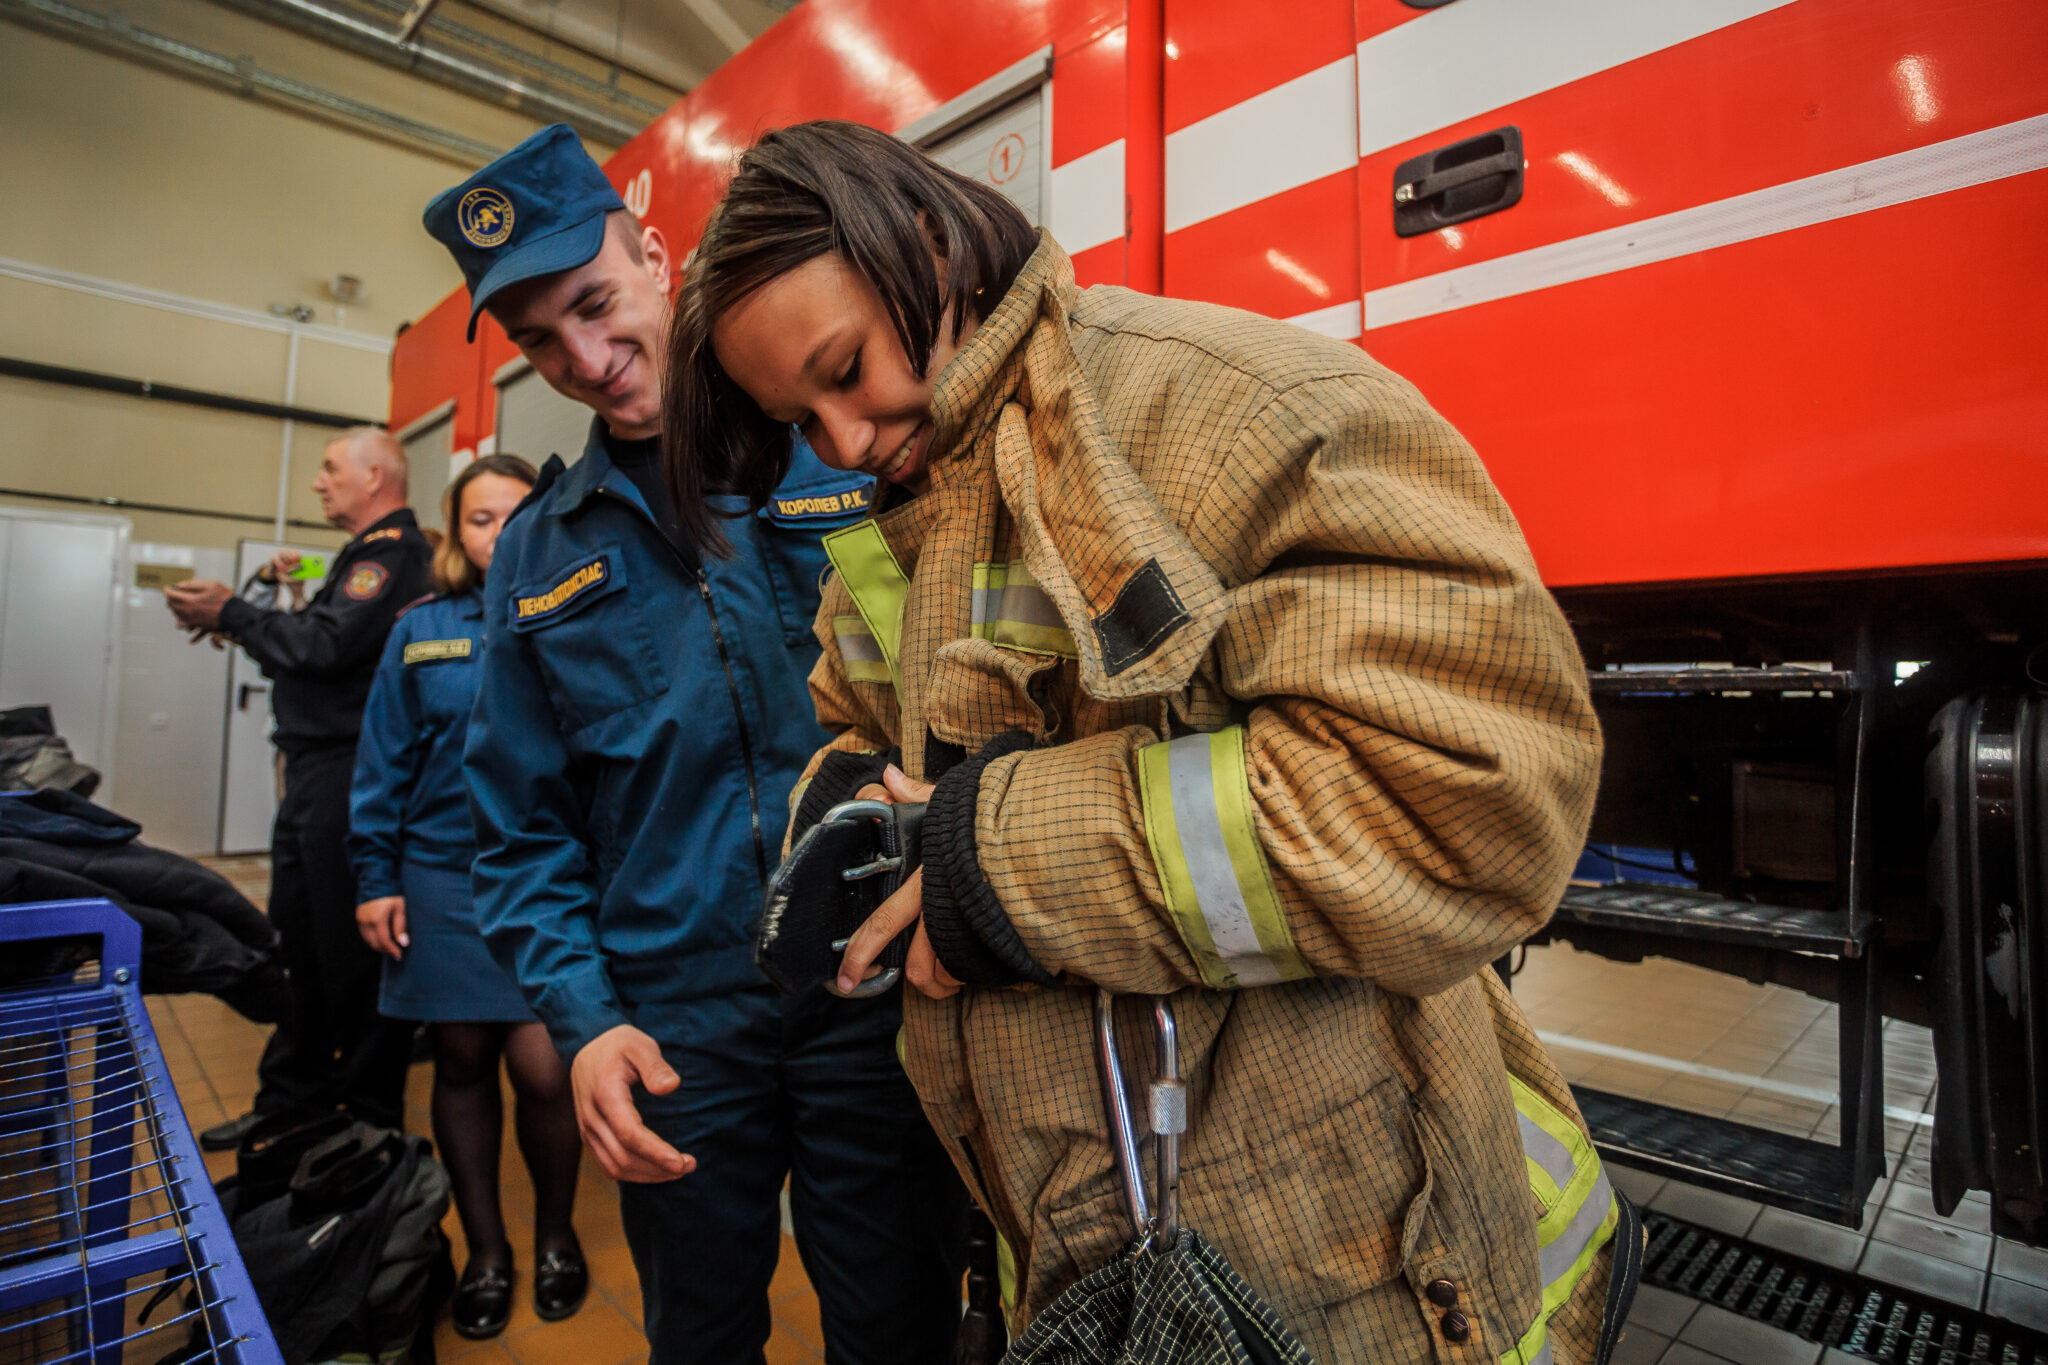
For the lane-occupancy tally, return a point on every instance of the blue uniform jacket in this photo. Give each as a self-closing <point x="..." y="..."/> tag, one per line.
<point x="409" y="801"/>
<point x="639" y="729"/>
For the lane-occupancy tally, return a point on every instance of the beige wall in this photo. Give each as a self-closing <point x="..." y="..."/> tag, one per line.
<point x="126" y="173"/>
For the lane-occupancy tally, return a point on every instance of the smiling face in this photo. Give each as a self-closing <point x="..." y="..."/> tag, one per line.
<point x="594" y="333"/>
<point x="814" y="347"/>
<point x="487" y="500"/>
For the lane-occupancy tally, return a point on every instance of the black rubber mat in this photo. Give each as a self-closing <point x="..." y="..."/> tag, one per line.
<point x="1833" y="1307"/>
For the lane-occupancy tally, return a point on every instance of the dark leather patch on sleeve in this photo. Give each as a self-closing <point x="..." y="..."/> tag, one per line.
<point x="1145" y="612"/>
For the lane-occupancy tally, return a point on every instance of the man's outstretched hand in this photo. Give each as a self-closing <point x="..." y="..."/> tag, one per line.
<point x="602" y="1079"/>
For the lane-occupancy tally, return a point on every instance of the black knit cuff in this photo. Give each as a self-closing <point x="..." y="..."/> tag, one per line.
<point x="962" y="917"/>
<point x="839" y="778"/>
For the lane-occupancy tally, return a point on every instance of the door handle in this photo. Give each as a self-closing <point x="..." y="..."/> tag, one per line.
<point x="1455" y="184"/>
<point x="242" y="695"/>
<point x="1430" y="186"/>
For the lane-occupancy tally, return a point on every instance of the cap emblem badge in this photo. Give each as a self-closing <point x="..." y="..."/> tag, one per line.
<point x="485" y="217"/>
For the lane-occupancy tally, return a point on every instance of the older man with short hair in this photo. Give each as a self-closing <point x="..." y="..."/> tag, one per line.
<point x="334" y="1051"/>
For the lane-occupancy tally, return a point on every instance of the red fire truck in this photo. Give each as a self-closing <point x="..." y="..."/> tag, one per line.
<point x="1745" y="304"/>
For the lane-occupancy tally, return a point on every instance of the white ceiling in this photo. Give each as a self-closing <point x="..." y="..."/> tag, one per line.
<point x="676" y="42"/>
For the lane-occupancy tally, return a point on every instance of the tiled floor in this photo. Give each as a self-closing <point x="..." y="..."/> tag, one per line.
<point x="1764" y="1055"/>
<point x="1656" y="1030"/>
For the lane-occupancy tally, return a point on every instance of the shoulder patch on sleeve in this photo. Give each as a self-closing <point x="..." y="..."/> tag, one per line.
<point x="388" y="533"/>
<point x="365" y="581"/>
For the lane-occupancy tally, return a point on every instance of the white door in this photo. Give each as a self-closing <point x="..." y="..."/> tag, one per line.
<point x="248" y="798"/>
<point x="1006" y="149"/>
<point x="60" y="626"/>
<point x="535" y="422"/>
<point x="426" y="458"/>
<point x="171" y="723"/>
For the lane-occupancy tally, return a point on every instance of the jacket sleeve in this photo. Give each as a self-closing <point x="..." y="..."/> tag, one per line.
<point x="1411" y="770"/>
<point x="346" y="625"/>
<point x="388" y="754"/>
<point x="534" y="879"/>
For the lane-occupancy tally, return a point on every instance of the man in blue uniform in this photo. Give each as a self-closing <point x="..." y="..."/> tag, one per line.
<point x="334" y="1049"/>
<point x="643" y="716"/>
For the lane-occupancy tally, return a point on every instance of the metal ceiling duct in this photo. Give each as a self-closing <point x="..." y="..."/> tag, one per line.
<point x="544" y="91"/>
<point x="115" y="34"/>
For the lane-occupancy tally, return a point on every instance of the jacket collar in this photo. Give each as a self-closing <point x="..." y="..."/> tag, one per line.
<point x="1141" y="603"/>
<point x="594" y="473"/>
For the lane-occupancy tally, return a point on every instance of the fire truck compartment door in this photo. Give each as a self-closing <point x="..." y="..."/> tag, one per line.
<point x="1007" y="150"/>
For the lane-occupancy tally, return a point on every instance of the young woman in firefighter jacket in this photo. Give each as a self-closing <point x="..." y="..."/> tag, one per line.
<point x="1236" y="681"/>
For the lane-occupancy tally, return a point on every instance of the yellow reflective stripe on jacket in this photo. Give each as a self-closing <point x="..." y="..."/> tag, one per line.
<point x="1198" y="821"/>
<point x="1011" y="609"/>
<point x="1579" y="1212"/>
<point x="878" y="587"/>
<point x="859" y="650"/>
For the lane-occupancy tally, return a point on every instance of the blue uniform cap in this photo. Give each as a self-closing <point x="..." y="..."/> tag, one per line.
<point x="537" y="210"/>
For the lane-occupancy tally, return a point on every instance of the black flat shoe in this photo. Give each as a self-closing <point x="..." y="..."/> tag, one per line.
<point x="483" y="1301"/>
<point x="225" y="1137"/>
<point x="560" y="1284"/>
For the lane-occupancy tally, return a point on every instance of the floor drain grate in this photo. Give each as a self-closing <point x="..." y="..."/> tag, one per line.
<point x="1833" y="1307"/>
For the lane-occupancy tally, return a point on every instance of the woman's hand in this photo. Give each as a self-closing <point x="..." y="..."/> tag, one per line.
<point x="381" y="922"/>
<point x="923" y="968"/>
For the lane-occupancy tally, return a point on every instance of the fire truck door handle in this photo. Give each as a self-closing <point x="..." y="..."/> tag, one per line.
<point x="1430" y="186"/>
<point x="1467" y="179"/>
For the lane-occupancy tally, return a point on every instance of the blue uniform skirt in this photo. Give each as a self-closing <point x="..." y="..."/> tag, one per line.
<point x="447" y="975"/>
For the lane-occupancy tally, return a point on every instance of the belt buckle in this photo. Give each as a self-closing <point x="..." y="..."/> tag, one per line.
<point x="849" y="813"/>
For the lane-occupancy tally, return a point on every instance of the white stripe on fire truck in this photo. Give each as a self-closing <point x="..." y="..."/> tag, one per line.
<point x="1339" y="320"/>
<point x="1938" y="168"/>
<point x="1088" y="199"/>
<point x="1475" y="55"/>
<point x="1464" y="59"/>
<point x="1300" y="130"/>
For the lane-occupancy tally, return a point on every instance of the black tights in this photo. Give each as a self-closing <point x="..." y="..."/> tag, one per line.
<point x="469" y="1128"/>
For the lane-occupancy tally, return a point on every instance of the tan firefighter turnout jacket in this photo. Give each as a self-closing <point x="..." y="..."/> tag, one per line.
<point x="1316" y="746"/>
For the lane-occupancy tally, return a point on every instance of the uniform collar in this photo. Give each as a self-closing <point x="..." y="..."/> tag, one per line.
<point x="985" y="372"/>
<point x="1138" y="598"/>
<point x="594" y="473"/>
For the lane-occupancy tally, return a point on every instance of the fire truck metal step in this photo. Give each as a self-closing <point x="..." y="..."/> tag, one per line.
<point x="1654" y="681"/>
<point x="1795" y="1173"/>
<point x="1835" y="1308"/>
<point x="1680" y="912"/>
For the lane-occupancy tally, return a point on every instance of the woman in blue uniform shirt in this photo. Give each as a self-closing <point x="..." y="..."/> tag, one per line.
<point x="411" y="842"/>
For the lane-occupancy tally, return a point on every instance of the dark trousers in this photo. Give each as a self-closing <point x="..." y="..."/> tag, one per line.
<point x="810" y="1089"/>
<point x="333" y="1049"/>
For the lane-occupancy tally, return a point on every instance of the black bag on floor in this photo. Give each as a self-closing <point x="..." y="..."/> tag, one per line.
<point x="350" y="1260"/>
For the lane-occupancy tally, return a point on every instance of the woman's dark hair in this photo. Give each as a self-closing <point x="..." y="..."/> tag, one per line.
<point x="803" y="192"/>
<point x="453" y="573"/>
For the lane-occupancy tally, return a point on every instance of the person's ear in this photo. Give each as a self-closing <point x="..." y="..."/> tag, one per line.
<point x="654" y="255"/>
<point x="936" y="236"/>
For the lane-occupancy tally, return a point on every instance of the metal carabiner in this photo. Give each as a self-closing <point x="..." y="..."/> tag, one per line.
<point x="1168" y="1096"/>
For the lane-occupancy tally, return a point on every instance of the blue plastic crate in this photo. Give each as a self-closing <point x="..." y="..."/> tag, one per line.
<point x="104" y="1197"/>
